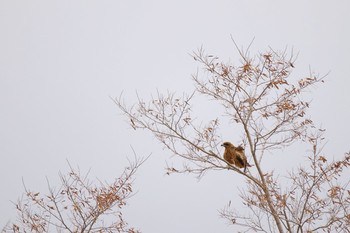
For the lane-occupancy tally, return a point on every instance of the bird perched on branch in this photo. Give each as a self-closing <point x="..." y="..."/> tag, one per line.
<point x="235" y="155"/>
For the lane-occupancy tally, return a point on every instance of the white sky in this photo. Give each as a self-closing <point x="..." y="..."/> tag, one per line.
<point x="61" y="60"/>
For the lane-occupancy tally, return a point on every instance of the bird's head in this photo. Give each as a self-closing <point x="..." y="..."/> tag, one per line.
<point x="227" y="144"/>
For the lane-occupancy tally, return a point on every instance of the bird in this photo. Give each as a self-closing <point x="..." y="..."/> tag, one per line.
<point x="235" y="155"/>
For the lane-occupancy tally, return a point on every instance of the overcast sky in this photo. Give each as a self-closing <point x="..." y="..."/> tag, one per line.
<point x="60" y="61"/>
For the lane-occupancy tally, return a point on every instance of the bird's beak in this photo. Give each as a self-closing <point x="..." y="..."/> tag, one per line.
<point x="222" y="144"/>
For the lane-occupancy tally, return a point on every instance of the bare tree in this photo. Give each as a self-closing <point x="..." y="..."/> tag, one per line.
<point x="261" y="97"/>
<point x="77" y="206"/>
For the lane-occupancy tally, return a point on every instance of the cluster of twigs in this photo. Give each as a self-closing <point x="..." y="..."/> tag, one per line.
<point x="77" y="206"/>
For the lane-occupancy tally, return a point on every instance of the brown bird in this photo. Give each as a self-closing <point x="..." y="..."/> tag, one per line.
<point x="235" y="155"/>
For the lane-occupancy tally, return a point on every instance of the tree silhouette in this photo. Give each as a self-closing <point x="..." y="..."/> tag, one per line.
<point x="259" y="96"/>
